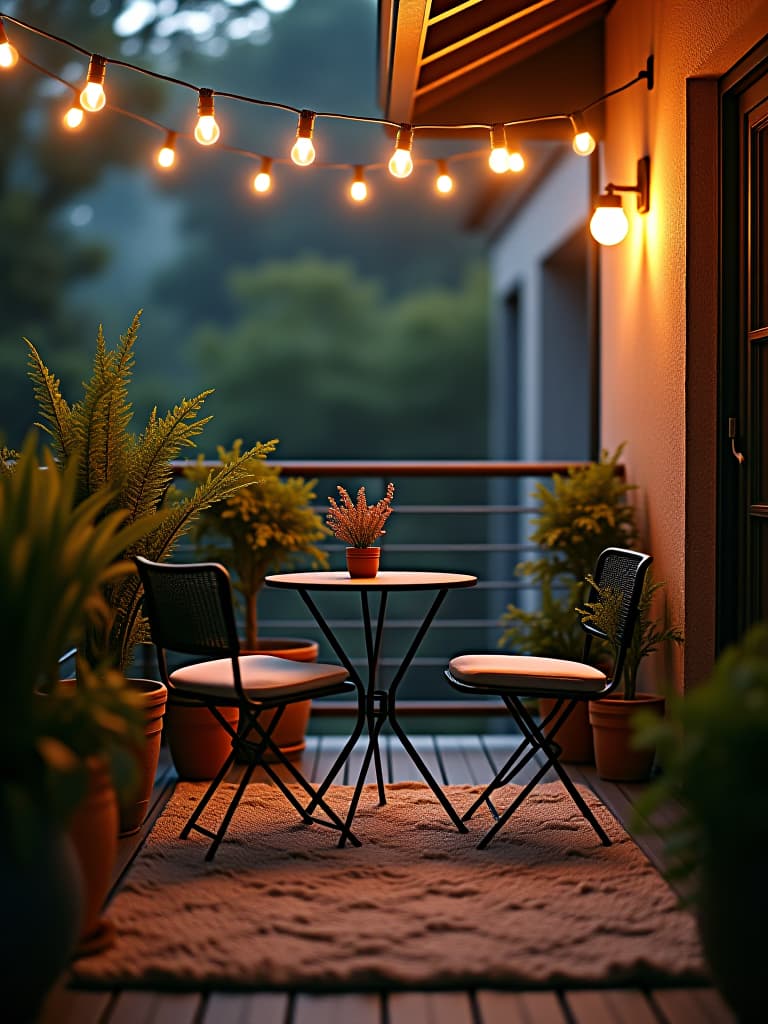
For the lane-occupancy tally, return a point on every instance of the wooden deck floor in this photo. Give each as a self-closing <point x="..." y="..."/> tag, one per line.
<point x="454" y="760"/>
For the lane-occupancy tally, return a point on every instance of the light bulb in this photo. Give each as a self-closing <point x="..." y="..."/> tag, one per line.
<point x="358" y="190"/>
<point x="262" y="182"/>
<point x="401" y="161"/>
<point x="583" y="143"/>
<point x="207" y="130"/>
<point x="73" y="118"/>
<point x="498" y="160"/>
<point x="93" y="97"/>
<point x="609" y="224"/>
<point x="516" y="162"/>
<point x="166" y="156"/>
<point x="303" y="151"/>
<point x="9" y="55"/>
<point x="443" y="182"/>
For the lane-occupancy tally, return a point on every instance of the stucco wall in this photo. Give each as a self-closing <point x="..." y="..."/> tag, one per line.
<point x="643" y="289"/>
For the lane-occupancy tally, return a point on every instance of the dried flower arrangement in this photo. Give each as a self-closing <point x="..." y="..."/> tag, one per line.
<point x="357" y="523"/>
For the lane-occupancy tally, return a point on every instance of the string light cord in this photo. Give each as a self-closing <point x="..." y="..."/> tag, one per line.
<point x="98" y="65"/>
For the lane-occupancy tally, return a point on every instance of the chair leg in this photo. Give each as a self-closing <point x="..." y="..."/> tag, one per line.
<point x="334" y="822"/>
<point x="502" y="776"/>
<point x="203" y="803"/>
<point x="220" y="833"/>
<point x="550" y="750"/>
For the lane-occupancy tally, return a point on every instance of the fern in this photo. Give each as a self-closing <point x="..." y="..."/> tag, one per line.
<point x="55" y="412"/>
<point x="137" y="471"/>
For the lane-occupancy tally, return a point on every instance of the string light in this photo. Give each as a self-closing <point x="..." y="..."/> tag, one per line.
<point x="358" y="190"/>
<point x="498" y="161"/>
<point x="9" y="55"/>
<point x="303" y="152"/>
<point x="166" y="155"/>
<point x="516" y="162"/>
<point x="74" y="116"/>
<point x="93" y="97"/>
<point x="443" y="181"/>
<point x="207" y="130"/>
<point x="583" y="143"/>
<point x="262" y="182"/>
<point x="401" y="161"/>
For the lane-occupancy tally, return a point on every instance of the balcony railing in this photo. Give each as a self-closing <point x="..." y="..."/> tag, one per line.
<point x="462" y="516"/>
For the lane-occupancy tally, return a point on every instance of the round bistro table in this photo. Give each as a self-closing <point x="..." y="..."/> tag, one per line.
<point x="375" y="705"/>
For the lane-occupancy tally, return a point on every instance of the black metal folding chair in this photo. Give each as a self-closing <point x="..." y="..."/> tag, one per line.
<point x="514" y="677"/>
<point x="189" y="608"/>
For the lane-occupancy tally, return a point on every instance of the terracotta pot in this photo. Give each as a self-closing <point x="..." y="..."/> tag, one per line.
<point x="615" y="757"/>
<point x="290" y="733"/>
<point x="133" y="809"/>
<point x="575" y="737"/>
<point x="363" y="563"/>
<point x="93" y="831"/>
<point x="198" y="743"/>
<point x="42" y="899"/>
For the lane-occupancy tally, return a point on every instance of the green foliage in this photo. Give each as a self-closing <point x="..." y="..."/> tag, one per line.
<point x="713" y="743"/>
<point x="547" y="632"/>
<point x="329" y="356"/>
<point x="265" y="527"/>
<point x="57" y="554"/>
<point x="95" y="432"/>
<point x="650" y="633"/>
<point x="584" y="512"/>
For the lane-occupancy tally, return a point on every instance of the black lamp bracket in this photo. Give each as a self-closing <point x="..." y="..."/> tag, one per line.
<point x="643" y="186"/>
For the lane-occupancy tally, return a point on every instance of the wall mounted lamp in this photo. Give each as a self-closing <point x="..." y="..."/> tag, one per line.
<point x="609" y="224"/>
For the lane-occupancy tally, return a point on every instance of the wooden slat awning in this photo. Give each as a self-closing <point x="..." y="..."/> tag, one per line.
<point x="487" y="60"/>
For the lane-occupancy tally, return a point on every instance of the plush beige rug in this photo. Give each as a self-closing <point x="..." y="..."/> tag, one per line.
<point x="417" y="906"/>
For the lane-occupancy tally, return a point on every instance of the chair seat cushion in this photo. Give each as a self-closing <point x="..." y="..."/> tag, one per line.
<point x="525" y="674"/>
<point x="264" y="677"/>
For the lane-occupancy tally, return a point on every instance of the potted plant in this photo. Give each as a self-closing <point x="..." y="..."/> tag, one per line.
<point x="713" y="743"/>
<point x="611" y="718"/>
<point x="359" y="525"/>
<point x="265" y="527"/>
<point x="57" y="743"/>
<point x="584" y="511"/>
<point x="138" y="470"/>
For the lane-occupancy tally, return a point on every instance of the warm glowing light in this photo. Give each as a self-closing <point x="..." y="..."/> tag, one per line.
<point x="498" y="160"/>
<point x="516" y="162"/>
<point x="166" y="156"/>
<point x="93" y="97"/>
<point x="358" y="190"/>
<point x="303" y="152"/>
<point x="401" y="161"/>
<point x="609" y="224"/>
<point x="207" y="130"/>
<point x="9" y="55"/>
<point x="74" y="117"/>
<point x="583" y="143"/>
<point x="443" y="181"/>
<point x="262" y="182"/>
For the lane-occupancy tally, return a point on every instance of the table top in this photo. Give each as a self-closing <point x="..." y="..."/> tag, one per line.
<point x="382" y="581"/>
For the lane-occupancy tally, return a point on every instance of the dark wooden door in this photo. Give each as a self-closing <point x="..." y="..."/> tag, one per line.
<point x="743" y="498"/>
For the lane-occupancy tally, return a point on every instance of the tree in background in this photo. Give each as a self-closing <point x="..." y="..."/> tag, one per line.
<point x="319" y="357"/>
<point x="43" y="170"/>
<point x="404" y="239"/>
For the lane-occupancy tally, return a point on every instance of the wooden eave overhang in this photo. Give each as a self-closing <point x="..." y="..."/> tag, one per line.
<point x="486" y="60"/>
